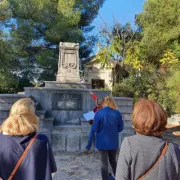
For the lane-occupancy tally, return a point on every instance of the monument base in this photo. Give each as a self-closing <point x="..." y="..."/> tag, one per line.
<point x="70" y="77"/>
<point x="56" y="84"/>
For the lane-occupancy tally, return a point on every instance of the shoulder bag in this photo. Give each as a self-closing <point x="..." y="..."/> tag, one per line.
<point x="22" y="157"/>
<point x="155" y="164"/>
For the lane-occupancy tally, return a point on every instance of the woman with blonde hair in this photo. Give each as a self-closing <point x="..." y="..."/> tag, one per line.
<point x="147" y="155"/>
<point x="20" y="142"/>
<point x="107" y="125"/>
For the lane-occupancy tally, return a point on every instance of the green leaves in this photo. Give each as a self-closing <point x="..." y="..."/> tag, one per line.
<point x="5" y="11"/>
<point x="34" y="29"/>
<point x="160" y="21"/>
<point x="173" y="82"/>
<point x="168" y="58"/>
<point x="133" y="55"/>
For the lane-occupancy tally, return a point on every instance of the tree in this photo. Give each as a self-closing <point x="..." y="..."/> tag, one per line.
<point x="120" y="42"/>
<point x="150" y="54"/>
<point x="173" y="83"/>
<point x="8" y="64"/>
<point x="160" y="22"/>
<point x="37" y="26"/>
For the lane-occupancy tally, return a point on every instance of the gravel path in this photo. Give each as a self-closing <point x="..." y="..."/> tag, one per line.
<point x="80" y="166"/>
<point x="77" y="166"/>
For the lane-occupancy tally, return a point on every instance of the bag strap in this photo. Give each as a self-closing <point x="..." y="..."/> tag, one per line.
<point x="160" y="157"/>
<point x="22" y="157"/>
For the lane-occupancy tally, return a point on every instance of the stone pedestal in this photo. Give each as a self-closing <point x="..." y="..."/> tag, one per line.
<point x="66" y="105"/>
<point x="57" y="84"/>
<point x="68" y="65"/>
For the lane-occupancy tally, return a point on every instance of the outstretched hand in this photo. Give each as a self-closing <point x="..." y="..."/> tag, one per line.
<point x="90" y="92"/>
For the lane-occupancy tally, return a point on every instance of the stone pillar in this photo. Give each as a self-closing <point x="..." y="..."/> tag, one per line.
<point x="68" y="65"/>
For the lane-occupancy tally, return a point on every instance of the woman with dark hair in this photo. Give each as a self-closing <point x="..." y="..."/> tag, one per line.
<point x="147" y="155"/>
<point x="107" y="125"/>
<point x="24" y="154"/>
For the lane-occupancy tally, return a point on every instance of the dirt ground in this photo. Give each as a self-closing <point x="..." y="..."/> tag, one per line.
<point x="80" y="166"/>
<point x="77" y="166"/>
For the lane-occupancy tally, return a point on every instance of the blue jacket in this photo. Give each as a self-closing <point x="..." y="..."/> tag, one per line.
<point x="107" y="125"/>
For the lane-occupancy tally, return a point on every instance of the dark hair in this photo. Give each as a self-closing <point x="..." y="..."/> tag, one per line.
<point x="149" y="118"/>
<point x="99" y="101"/>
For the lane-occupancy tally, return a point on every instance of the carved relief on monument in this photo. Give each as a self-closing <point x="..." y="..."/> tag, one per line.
<point x="68" y="65"/>
<point x="65" y="101"/>
<point x="69" y="59"/>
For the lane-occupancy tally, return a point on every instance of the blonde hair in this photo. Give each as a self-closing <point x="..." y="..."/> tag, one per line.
<point x="22" y="119"/>
<point x="109" y="101"/>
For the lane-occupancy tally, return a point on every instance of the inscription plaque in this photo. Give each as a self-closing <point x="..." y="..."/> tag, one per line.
<point x="64" y="101"/>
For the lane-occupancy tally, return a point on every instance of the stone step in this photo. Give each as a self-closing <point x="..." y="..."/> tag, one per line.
<point x="125" y="109"/>
<point x="51" y="119"/>
<point x="67" y="129"/>
<point x="7" y="100"/>
<point x="121" y="101"/>
<point x="41" y="113"/>
<point x="46" y="124"/>
<point x="1" y="120"/>
<point x="36" y="105"/>
<point x="127" y="116"/>
<point x="74" y="121"/>
<point x="66" y="142"/>
<point x="128" y="124"/>
<point x="4" y="114"/>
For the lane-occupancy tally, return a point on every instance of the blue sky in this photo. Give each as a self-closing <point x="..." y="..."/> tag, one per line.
<point x="122" y="11"/>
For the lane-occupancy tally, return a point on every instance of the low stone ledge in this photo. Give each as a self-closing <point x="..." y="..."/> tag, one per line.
<point x="65" y="129"/>
<point x="13" y="95"/>
<point x="65" y="89"/>
<point x="51" y="84"/>
<point x="73" y="142"/>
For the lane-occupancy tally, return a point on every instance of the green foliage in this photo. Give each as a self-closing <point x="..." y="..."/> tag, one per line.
<point x="133" y="55"/>
<point x="123" y="46"/>
<point x="173" y="82"/>
<point x="8" y="64"/>
<point x="5" y="12"/>
<point x="8" y="84"/>
<point x="168" y="58"/>
<point x="152" y="60"/>
<point x="147" y="83"/>
<point x="160" y="21"/>
<point x="34" y="29"/>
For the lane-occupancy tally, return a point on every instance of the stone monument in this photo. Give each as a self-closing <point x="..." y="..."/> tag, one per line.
<point x="68" y="65"/>
<point x="62" y="103"/>
<point x="68" y="68"/>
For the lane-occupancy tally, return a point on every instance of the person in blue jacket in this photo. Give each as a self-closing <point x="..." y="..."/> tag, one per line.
<point x="107" y="125"/>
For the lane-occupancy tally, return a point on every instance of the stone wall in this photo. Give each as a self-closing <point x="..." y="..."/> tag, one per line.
<point x="67" y="130"/>
<point x="6" y="101"/>
<point x="75" y="138"/>
<point x="125" y="106"/>
<point x="66" y="105"/>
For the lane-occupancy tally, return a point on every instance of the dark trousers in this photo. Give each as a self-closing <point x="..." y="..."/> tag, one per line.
<point x="104" y="156"/>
